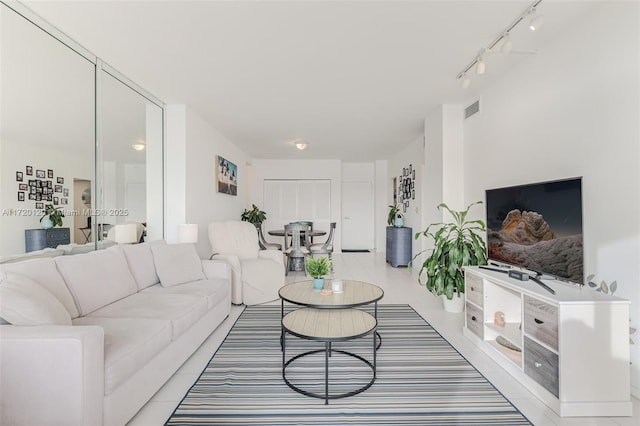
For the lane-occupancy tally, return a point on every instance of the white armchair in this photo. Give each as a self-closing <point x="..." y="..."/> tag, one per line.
<point x="256" y="275"/>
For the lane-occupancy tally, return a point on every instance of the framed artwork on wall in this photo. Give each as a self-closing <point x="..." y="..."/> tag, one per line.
<point x="19" y="176"/>
<point x="226" y="176"/>
<point x="40" y="174"/>
<point x="29" y="170"/>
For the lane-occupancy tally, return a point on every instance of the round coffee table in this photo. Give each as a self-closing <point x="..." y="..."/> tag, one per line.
<point x="330" y="318"/>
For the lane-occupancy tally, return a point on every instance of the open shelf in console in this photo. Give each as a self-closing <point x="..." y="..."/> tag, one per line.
<point x="509" y="303"/>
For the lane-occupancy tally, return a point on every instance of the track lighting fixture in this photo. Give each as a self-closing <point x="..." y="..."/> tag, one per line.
<point x="507" y="44"/>
<point x="466" y="82"/>
<point x="536" y="20"/>
<point x="481" y="67"/>
<point x="501" y="44"/>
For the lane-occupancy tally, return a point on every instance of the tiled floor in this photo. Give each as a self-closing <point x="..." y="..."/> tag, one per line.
<point x="400" y="286"/>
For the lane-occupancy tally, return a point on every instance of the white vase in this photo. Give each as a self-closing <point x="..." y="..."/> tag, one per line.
<point x="398" y="222"/>
<point x="455" y="305"/>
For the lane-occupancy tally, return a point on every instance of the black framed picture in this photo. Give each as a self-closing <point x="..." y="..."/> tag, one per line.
<point x="32" y="189"/>
<point x="29" y="170"/>
<point x="65" y="192"/>
<point x="20" y="196"/>
<point x="64" y="201"/>
<point x="23" y="187"/>
<point x="60" y="179"/>
<point x="39" y="206"/>
<point x="47" y="197"/>
<point x="413" y="174"/>
<point x="50" y="174"/>
<point x="38" y="197"/>
<point x="58" y="188"/>
<point x="32" y="182"/>
<point x="413" y="195"/>
<point x="55" y="201"/>
<point x="32" y="196"/>
<point x="410" y="168"/>
<point x="38" y="183"/>
<point x="40" y="174"/>
<point x="49" y="184"/>
<point x="19" y="176"/>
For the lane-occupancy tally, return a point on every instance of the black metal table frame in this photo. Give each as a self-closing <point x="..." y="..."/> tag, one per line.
<point x="327" y="353"/>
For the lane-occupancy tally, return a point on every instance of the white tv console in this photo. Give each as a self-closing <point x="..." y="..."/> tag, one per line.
<point x="574" y="344"/>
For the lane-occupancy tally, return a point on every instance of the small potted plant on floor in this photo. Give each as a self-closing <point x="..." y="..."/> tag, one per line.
<point x="317" y="269"/>
<point x="52" y="217"/>
<point x="456" y="245"/>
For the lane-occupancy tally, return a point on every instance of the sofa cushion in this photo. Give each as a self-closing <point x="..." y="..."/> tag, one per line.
<point x="177" y="263"/>
<point x="214" y="290"/>
<point x="129" y="344"/>
<point x="37" y="254"/>
<point x="140" y="260"/>
<point x="98" y="278"/>
<point x="45" y="273"/>
<point x="182" y="310"/>
<point x="24" y="302"/>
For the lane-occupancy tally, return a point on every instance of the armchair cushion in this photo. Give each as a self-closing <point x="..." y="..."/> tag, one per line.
<point x="234" y="237"/>
<point x="177" y="263"/>
<point x="24" y="302"/>
<point x="261" y="280"/>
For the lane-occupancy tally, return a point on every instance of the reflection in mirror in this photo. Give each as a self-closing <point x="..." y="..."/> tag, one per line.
<point x="47" y="134"/>
<point x="131" y="162"/>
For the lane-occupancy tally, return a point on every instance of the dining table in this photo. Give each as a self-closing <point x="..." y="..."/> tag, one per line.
<point x="298" y="263"/>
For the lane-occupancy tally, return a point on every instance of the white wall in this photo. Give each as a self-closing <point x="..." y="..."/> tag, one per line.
<point x="382" y="185"/>
<point x="16" y="216"/>
<point x="572" y="110"/>
<point x="203" y="204"/>
<point x="411" y="154"/>
<point x="297" y="169"/>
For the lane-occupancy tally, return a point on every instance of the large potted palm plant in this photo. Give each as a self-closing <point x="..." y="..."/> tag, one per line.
<point x="456" y="244"/>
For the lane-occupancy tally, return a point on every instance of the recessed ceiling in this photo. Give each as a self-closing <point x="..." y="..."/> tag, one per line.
<point x="354" y="79"/>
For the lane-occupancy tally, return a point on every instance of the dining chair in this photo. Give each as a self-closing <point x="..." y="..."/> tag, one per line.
<point x="327" y="246"/>
<point x="299" y="246"/>
<point x="263" y="243"/>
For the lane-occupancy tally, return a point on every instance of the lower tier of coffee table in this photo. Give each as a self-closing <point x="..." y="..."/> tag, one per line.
<point x="329" y="326"/>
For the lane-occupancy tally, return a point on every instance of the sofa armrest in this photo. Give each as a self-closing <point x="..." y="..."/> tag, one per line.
<point x="236" y="275"/>
<point x="51" y="375"/>
<point x="216" y="269"/>
<point x="275" y="255"/>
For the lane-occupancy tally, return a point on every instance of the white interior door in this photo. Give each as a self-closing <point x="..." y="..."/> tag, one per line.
<point x="357" y="216"/>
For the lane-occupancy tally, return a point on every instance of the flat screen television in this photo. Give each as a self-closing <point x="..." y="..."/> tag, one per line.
<point x="538" y="227"/>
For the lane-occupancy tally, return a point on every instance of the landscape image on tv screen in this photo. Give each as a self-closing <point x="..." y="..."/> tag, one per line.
<point x="538" y="227"/>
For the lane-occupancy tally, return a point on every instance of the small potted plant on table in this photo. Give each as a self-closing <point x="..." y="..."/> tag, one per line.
<point x="395" y="218"/>
<point x="52" y="217"/>
<point x="317" y="269"/>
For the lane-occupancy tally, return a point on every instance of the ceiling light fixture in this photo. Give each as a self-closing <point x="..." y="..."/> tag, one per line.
<point x="301" y="145"/>
<point x="507" y="45"/>
<point x="481" y="67"/>
<point x="138" y="146"/>
<point x="466" y="82"/>
<point x="536" y="20"/>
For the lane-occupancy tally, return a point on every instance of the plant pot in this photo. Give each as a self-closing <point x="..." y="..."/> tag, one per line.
<point x="455" y="305"/>
<point x="46" y="223"/>
<point x="318" y="283"/>
<point x="398" y="222"/>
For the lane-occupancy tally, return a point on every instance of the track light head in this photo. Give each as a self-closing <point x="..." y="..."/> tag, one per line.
<point x="481" y="67"/>
<point x="466" y="82"/>
<point x="507" y="44"/>
<point x="536" y="21"/>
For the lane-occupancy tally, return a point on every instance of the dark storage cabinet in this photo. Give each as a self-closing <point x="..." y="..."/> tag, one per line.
<point x="399" y="246"/>
<point x="37" y="239"/>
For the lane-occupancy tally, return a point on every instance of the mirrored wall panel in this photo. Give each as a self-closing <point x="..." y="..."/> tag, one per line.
<point x="98" y="159"/>
<point x="131" y="162"/>
<point x="47" y="131"/>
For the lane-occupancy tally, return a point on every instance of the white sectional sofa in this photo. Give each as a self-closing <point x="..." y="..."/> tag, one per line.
<point x="91" y="337"/>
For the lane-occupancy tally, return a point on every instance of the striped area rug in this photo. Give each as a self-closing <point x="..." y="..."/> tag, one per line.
<point x="421" y="379"/>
